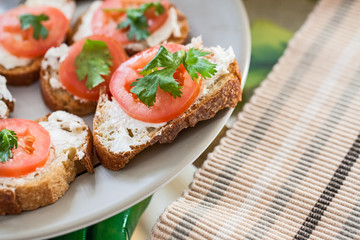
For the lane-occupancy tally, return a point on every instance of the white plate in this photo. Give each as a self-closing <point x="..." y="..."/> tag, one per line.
<point x="92" y="198"/>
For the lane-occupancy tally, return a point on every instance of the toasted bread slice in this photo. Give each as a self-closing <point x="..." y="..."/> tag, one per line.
<point x="71" y="145"/>
<point x="118" y="137"/>
<point x="22" y="75"/>
<point x="7" y="101"/>
<point x="26" y="71"/>
<point x="54" y="93"/>
<point x="83" y="25"/>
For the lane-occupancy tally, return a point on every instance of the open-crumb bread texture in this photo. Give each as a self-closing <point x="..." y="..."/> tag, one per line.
<point x="47" y="184"/>
<point x="226" y="92"/>
<point x="182" y="21"/>
<point x="61" y="99"/>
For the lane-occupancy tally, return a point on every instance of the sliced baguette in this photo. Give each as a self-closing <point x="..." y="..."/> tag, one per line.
<point x="71" y="146"/>
<point x="114" y="129"/>
<point x="29" y="73"/>
<point x="132" y="49"/>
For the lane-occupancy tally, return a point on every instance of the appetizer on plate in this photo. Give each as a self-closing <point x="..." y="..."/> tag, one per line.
<point x="6" y="99"/>
<point x="38" y="160"/>
<point x="136" y="24"/>
<point x="159" y="92"/>
<point x="71" y="77"/>
<point x="27" y="32"/>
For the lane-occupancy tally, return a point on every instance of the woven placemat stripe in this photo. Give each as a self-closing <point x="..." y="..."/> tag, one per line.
<point x="331" y="190"/>
<point x="288" y="167"/>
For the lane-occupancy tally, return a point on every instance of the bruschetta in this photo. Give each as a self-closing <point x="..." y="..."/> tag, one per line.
<point x="27" y="32"/>
<point x="39" y="159"/>
<point x="137" y="25"/>
<point x="159" y="92"/>
<point x="71" y="77"/>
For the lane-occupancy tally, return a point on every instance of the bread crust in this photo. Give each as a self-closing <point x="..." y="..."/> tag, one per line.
<point x="182" y="21"/>
<point x="45" y="189"/>
<point x="9" y="104"/>
<point x="228" y="94"/>
<point x="61" y="99"/>
<point x="22" y="75"/>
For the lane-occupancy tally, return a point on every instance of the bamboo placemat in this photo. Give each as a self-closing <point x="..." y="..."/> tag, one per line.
<point x="288" y="168"/>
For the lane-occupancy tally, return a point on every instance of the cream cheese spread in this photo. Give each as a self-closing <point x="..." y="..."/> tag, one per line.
<point x="65" y="6"/>
<point x="3" y="109"/>
<point x="4" y="92"/>
<point x="52" y="59"/>
<point x="9" y="61"/>
<point x="119" y="131"/>
<point x="67" y="132"/>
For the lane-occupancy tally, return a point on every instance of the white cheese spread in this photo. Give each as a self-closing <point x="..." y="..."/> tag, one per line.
<point x="119" y="131"/>
<point x="52" y="59"/>
<point x="67" y="132"/>
<point x="221" y="57"/>
<point x="171" y="26"/>
<point x="65" y="6"/>
<point x="4" y="92"/>
<point x="9" y="61"/>
<point x="84" y="29"/>
<point x="3" y="110"/>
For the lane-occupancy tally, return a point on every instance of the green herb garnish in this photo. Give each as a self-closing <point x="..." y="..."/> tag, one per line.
<point x="136" y="21"/>
<point x="146" y="87"/>
<point x="93" y="62"/>
<point x="8" y="140"/>
<point x="29" y="20"/>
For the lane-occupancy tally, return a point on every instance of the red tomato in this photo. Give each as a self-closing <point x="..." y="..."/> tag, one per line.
<point x="166" y="106"/>
<point x="21" y="42"/>
<point x="67" y="70"/>
<point x="105" y="23"/>
<point x="33" y="147"/>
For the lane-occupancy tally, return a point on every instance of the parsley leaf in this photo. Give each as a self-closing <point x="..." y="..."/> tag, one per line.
<point x="8" y="140"/>
<point x="136" y="21"/>
<point x="93" y="62"/>
<point x="158" y="73"/>
<point x="195" y="63"/>
<point x="29" y="20"/>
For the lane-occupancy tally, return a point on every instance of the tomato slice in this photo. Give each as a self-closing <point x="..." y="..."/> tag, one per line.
<point x="67" y="70"/>
<point x="21" y="42"/>
<point x="105" y="23"/>
<point x="166" y="106"/>
<point x="33" y="147"/>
